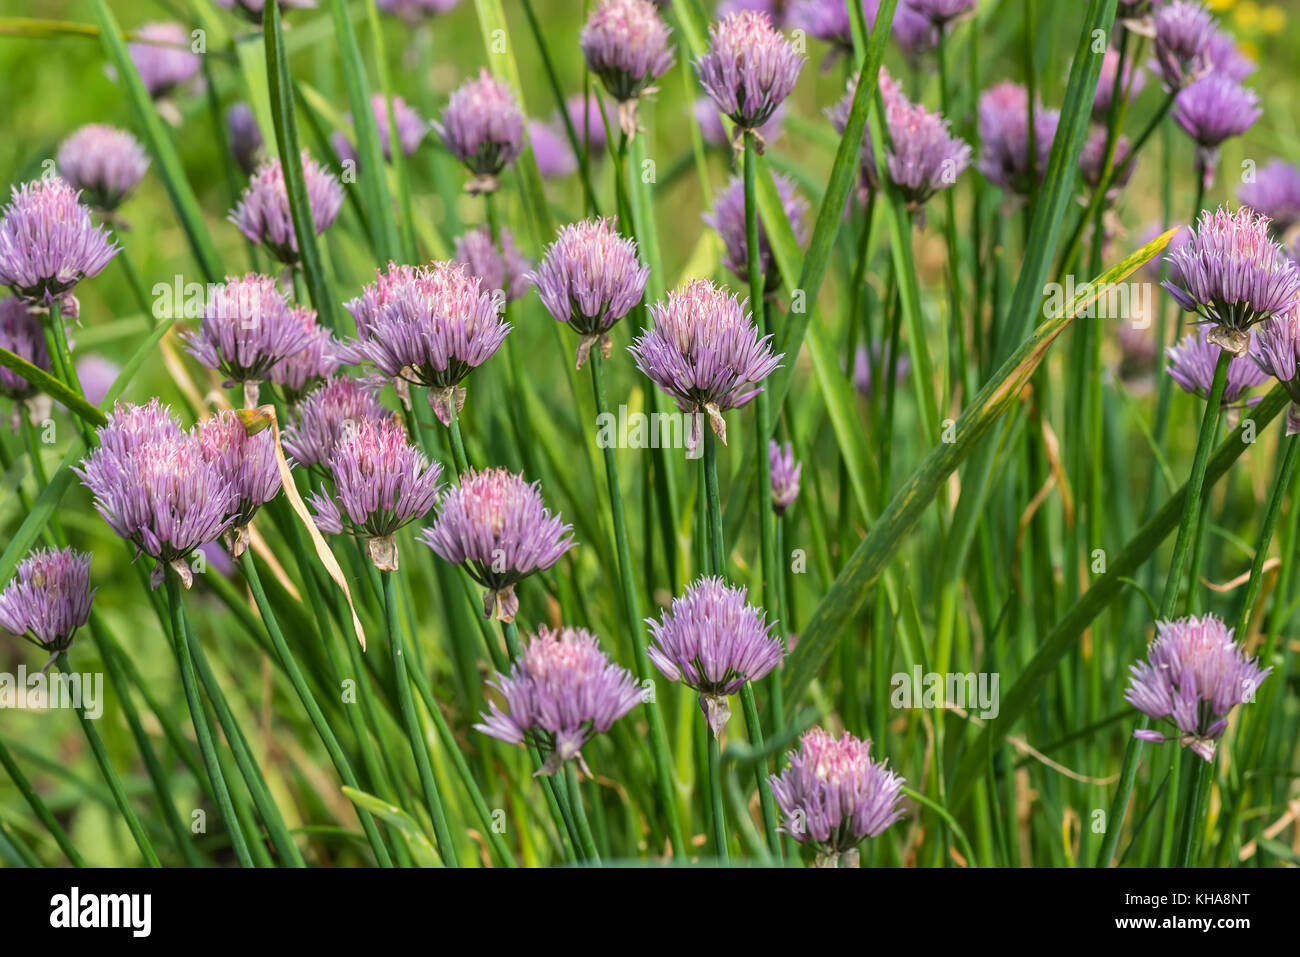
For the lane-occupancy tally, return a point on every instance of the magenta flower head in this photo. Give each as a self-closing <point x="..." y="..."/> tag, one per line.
<point x="496" y="525"/>
<point x="828" y="21"/>
<point x="48" y="243"/>
<point x="247" y="328"/>
<point x="247" y="460"/>
<point x="1134" y="80"/>
<point x="411" y="127"/>
<point x="839" y="117"/>
<point x="1275" y="193"/>
<point x="625" y="43"/>
<point x="429" y="327"/>
<point x="1192" y="361"/>
<point x="915" y="34"/>
<point x="1211" y="110"/>
<point x="415" y="11"/>
<point x="1232" y="275"/>
<point x="298" y="374"/>
<point x="105" y="163"/>
<point x="383" y="483"/>
<point x="1092" y="162"/>
<point x="728" y="218"/>
<point x="833" y="795"/>
<point x="559" y="695"/>
<point x="552" y="150"/>
<point x="22" y="334"/>
<point x="164" y="57"/>
<point x="713" y="641"/>
<point x="1004" y="138"/>
<point x="252" y="10"/>
<point x="943" y="12"/>
<point x="1182" y="45"/>
<point x="923" y="156"/>
<point x="749" y="69"/>
<point x="484" y="129"/>
<point x="785" y="476"/>
<point x="705" y="352"/>
<point x="503" y="271"/>
<point x="590" y="278"/>
<point x="1226" y="59"/>
<point x="588" y="122"/>
<point x="326" y="415"/>
<point x="263" y="211"/>
<point x="155" y="488"/>
<point x="245" y="137"/>
<point x="48" y="599"/>
<point x="1275" y="351"/>
<point x="1193" y="676"/>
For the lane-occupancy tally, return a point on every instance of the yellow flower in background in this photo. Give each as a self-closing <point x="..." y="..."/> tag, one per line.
<point x="1246" y="14"/>
<point x="1248" y="50"/>
<point x="1218" y="6"/>
<point x="1272" y="19"/>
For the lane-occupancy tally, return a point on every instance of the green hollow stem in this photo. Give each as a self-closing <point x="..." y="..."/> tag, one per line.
<point x="580" y="814"/>
<point x="632" y="608"/>
<point x="714" y="515"/>
<point x="406" y="703"/>
<point x="718" y="818"/>
<point x="38" y="806"/>
<point x="308" y="700"/>
<point x="111" y="779"/>
<point x="1182" y="544"/>
<point x="1198" y="796"/>
<point x="202" y="729"/>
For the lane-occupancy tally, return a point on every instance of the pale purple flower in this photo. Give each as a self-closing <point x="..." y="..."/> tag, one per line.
<point x="749" y="68"/>
<point x="411" y="128"/>
<point x="48" y="598"/>
<point x="704" y="350"/>
<point x="22" y="334"/>
<point x="105" y="163"/>
<point x="728" y="218"/>
<point x="248" y="327"/>
<point x="552" y="150"/>
<point x="503" y="270"/>
<point x="943" y="12"/>
<point x="864" y="362"/>
<point x="923" y="156"/>
<point x="1232" y="275"/>
<point x="262" y="213"/>
<point x="1226" y="59"/>
<point x="1004" y="138"/>
<point x="588" y="122"/>
<point x="155" y="488"/>
<point x="1275" y="193"/>
<point x="415" y="11"/>
<point x="483" y="127"/>
<point x="331" y="411"/>
<point x="1138" y="353"/>
<point x="496" y="525"/>
<point x="1092" y="162"/>
<point x="383" y="483"/>
<point x="245" y="137"/>
<point x="48" y="243"/>
<point x="1134" y="79"/>
<point x="302" y="371"/>
<point x="1275" y="350"/>
<point x="248" y="463"/>
<point x="1182" y="45"/>
<point x="1215" y="108"/>
<point x="1194" y="675"/>
<point x="96" y="375"/>
<point x="785" y="476"/>
<point x="913" y="31"/>
<point x="590" y="278"/>
<point x="715" y="134"/>
<point x="833" y="795"/>
<point x="164" y="57"/>
<point x="429" y="326"/>
<point x="839" y="117"/>
<point x="561" y="693"/>
<point x="713" y="641"/>
<point x="776" y="9"/>
<point x="828" y="20"/>
<point x="252" y="10"/>
<point x="625" y="43"/>
<point x="1192" y="361"/>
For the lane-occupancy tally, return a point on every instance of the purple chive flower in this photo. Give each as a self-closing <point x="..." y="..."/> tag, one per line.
<point x="749" y="69"/>
<point x="715" y="134"/>
<point x="1275" y="193"/>
<point x="484" y="129"/>
<point x="625" y="43"/>
<point x="155" y="488"/>
<point x="705" y="352"/>
<point x="248" y="327"/>
<point x="48" y="243"/>
<point x="785" y="476"/>
<point x="591" y="277"/>
<point x="552" y="150"/>
<point x="248" y="463"/>
<point x="776" y="9"/>
<point x="728" y="218"/>
<point x="1226" y="59"/>
<point x="1092" y="162"/>
<point x="252" y="10"/>
<point x="326" y="415"/>
<point x="713" y="641"/>
<point x="560" y="694"/>
<point x="496" y="525"/>
<point x="411" y="127"/>
<point x="864" y="363"/>
<point x="22" y="334"/>
<point x="1212" y="110"/>
<point x="833" y="795"/>
<point x="1182" y="45"/>
<point x="383" y="483"/>
<point x="1195" y="673"/>
<point x="923" y="157"/>
<point x="415" y="11"/>
<point x="263" y="210"/>
<point x="1232" y="275"/>
<point x="245" y="137"/>
<point x="828" y="21"/>
<point x="588" y="122"/>
<point x="429" y="327"/>
<point x="913" y="31"/>
<point x="839" y="117"/>
<point x="943" y="12"/>
<point x="300" y="373"/>
<point x="504" y="270"/>
<point x="164" y="57"/>
<point x="1004" y="137"/>
<point x="97" y="375"/>
<point x="48" y="599"/>
<point x="1134" y="80"/>
<point x="1275" y="351"/>
<point x="105" y="163"/>
<point x="1192" y="361"/>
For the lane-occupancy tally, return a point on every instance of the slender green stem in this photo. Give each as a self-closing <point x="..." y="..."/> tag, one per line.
<point x="34" y="801"/>
<point x="717" y="561"/>
<point x="718" y="817"/>
<point x="1198" y="794"/>
<point x="579" y="813"/>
